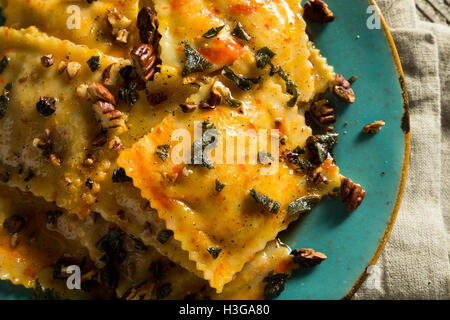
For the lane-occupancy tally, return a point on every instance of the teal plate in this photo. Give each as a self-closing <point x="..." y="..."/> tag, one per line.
<point x="352" y="241"/>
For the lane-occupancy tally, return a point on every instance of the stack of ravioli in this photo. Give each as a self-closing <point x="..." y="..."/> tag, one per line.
<point x="140" y="225"/>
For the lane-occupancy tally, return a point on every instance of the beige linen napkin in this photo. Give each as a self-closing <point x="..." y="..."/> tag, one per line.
<point x="415" y="262"/>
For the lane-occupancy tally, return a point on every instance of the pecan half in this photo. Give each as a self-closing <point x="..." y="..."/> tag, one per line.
<point x="147" y="25"/>
<point x="374" y="127"/>
<point x="342" y="90"/>
<point x="108" y="116"/>
<point x="144" y="57"/>
<point x="323" y="111"/>
<point x="351" y="193"/>
<point x="99" y="92"/>
<point x="308" y="258"/>
<point x="317" y="11"/>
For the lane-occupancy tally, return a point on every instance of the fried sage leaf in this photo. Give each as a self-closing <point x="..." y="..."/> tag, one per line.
<point x="214" y="252"/>
<point x="263" y="58"/>
<point x="242" y="83"/>
<point x="302" y="205"/>
<point x="94" y="63"/>
<point x="211" y="33"/>
<point x="163" y="151"/>
<point x="240" y="33"/>
<point x="321" y="146"/>
<point x="291" y="87"/>
<point x="219" y="186"/>
<point x="194" y="61"/>
<point x="267" y="203"/>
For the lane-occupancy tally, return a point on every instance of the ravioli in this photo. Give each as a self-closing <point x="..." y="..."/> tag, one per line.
<point x="184" y="195"/>
<point x="59" y="17"/>
<point x="273" y="24"/>
<point x="71" y="129"/>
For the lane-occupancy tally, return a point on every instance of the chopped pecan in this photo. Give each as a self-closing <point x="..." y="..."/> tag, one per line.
<point x="111" y="74"/>
<point x="147" y="25"/>
<point x="99" y="92"/>
<point x="61" y="67"/>
<point x="4" y="177"/>
<point x="342" y="90"/>
<point x="144" y="57"/>
<point x="351" y="193"/>
<point x="72" y="69"/>
<point x="188" y="107"/>
<point x="122" y="36"/>
<point x="108" y="116"/>
<point x="308" y="258"/>
<point x="119" y="24"/>
<point x="374" y="127"/>
<point x="323" y="111"/>
<point x="47" y="60"/>
<point x="317" y="11"/>
<point x="317" y="177"/>
<point x="156" y="98"/>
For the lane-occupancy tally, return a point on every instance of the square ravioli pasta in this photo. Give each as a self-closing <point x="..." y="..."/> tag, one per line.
<point x="222" y="212"/>
<point x="232" y="33"/>
<point x="46" y="129"/>
<point x="50" y="237"/>
<point x="107" y="25"/>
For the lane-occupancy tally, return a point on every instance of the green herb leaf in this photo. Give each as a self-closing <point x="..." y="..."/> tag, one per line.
<point x="291" y="87"/>
<point x="119" y="176"/>
<point x="241" y="82"/>
<point x="275" y="284"/>
<point x="267" y="203"/>
<point x="129" y="93"/>
<point x="352" y="79"/>
<point x="219" y="186"/>
<point x="240" y="33"/>
<point x="164" y="236"/>
<point x="4" y="99"/>
<point x="4" y="63"/>
<point x="214" y="251"/>
<point x="302" y="205"/>
<point x="111" y="245"/>
<point x="211" y="33"/>
<point x="263" y="58"/>
<point x="233" y="103"/>
<point x="194" y="61"/>
<point x="203" y="145"/>
<point x="109" y="276"/>
<point x="163" y="151"/>
<point x="94" y="63"/>
<point x="322" y="145"/>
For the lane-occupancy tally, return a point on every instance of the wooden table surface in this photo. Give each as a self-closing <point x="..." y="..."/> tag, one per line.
<point x="434" y="10"/>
